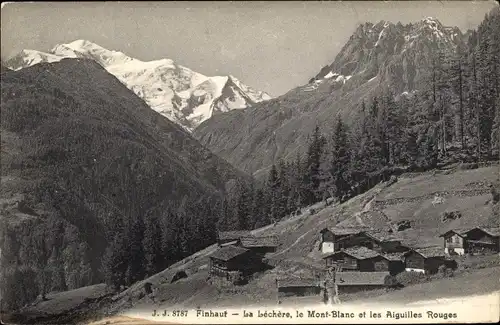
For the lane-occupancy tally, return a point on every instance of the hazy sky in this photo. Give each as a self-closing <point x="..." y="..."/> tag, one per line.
<point x="272" y="46"/>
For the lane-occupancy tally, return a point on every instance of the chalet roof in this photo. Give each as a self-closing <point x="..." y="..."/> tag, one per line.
<point x="382" y="236"/>
<point x="343" y="231"/>
<point x="393" y="256"/>
<point x="298" y="282"/>
<point x="494" y="232"/>
<point x="455" y="231"/>
<point x="233" y="242"/>
<point x="265" y="241"/>
<point x="232" y="235"/>
<point x="358" y="252"/>
<point x="227" y="253"/>
<point x="361" y="278"/>
<point x="428" y="252"/>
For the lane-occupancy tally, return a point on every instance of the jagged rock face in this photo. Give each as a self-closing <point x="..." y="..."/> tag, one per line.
<point x="394" y="52"/>
<point x="182" y="95"/>
<point x="375" y="57"/>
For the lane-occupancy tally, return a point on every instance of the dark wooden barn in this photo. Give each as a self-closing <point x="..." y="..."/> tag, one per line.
<point x="350" y="282"/>
<point x="260" y="245"/>
<point x="385" y="242"/>
<point x="231" y="237"/>
<point x="482" y="240"/>
<point x="357" y="258"/>
<point x="234" y="265"/>
<point x="396" y="262"/>
<point x="335" y="239"/>
<point x="296" y="286"/>
<point x="425" y="260"/>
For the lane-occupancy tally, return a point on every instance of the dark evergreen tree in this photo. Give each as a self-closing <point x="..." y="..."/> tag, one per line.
<point x="312" y="175"/>
<point x="152" y="245"/>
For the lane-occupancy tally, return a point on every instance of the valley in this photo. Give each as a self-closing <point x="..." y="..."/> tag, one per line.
<point x="298" y="253"/>
<point x="130" y="185"/>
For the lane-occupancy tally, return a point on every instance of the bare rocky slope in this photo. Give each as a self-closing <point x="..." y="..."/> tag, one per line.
<point x="419" y="198"/>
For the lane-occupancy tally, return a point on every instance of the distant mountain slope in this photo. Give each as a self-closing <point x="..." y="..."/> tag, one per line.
<point x="377" y="56"/>
<point x="83" y="156"/>
<point x="184" y="96"/>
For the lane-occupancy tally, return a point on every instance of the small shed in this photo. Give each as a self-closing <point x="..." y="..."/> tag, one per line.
<point x="231" y="237"/>
<point x="260" y="245"/>
<point x="296" y="286"/>
<point x="358" y="258"/>
<point x="455" y="242"/>
<point x="234" y="264"/>
<point x="482" y="239"/>
<point x="349" y="282"/>
<point x="424" y="260"/>
<point x="396" y="262"/>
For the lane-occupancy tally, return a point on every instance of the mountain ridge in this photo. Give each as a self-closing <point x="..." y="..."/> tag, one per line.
<point x="82" y="158"/>
<point x="179" y="93"/>
<point x="376" y="57"/>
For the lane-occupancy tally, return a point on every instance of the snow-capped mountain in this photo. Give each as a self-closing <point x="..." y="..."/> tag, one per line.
<point x="181" y="94"/>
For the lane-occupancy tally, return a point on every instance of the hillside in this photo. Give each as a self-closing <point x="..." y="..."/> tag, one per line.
<point x="416" y="62"/>
<point x="84" y="160"/>
<point x="411" y="198"/>
<point x="178" y="93"/>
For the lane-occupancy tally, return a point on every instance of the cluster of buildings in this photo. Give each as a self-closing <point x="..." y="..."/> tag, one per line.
<point x="367" y="251"/>
<point x="354" y="259"/>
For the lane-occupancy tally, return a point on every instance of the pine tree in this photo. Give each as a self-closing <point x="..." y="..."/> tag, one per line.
<point x="273" y="193"/>
<point x="114" y="262"/>
<point x="339" y="164"/>
<point x="135" y="270"/>
<point x="243" y="206"/>
<point x="312" y="176"/>
<point x="55" y="266"/>
<point x="411" y="148"/>
<point x="152" y="245"/>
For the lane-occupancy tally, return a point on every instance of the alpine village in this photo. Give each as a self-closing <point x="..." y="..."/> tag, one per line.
<point x="376" y="180"/>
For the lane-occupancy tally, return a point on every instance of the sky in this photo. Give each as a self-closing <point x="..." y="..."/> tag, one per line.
<point x="271" y="46"/>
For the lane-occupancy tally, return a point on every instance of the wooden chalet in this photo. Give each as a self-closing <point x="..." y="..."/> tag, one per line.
<point x="424" y="260"/>
<point x="358" y="258"/>
<point x="454" y="242"/>
<point x="349" y="282"/>
<point x="473" y="241"/>
<point x="335" y="239"/>
<point x="383" y="242"/>
<point x="231" y="237"/>
<point x="296" y="286"/>
<point x="482" y="240"/>
<point x="232" y="264"/>
<point x="260" y="245"/>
